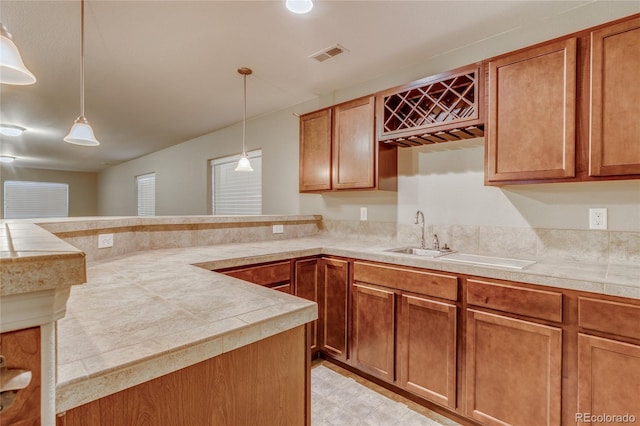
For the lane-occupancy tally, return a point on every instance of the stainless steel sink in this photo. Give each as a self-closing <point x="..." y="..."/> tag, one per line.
<point x="417" y="251"/>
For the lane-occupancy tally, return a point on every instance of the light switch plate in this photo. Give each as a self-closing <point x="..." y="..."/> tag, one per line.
<point x="105" y="240"/>
<point x="278" y="229"/>
<point x="363" y="213"/>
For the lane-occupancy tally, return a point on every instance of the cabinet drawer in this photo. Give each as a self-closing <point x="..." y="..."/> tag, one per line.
<point x="422" y="282"/>
<point x="621" y="319"/>
<point x="540" y="304"/>
<point x="267" y="275"/>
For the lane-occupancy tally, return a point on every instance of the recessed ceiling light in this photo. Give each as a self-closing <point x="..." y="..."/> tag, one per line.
<point x="6" y="159"/>
<point x="11" y="130"/>
<point x="299" y="6"/>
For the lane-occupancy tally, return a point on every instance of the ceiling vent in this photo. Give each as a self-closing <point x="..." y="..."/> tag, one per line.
<point x="328" y="53"/>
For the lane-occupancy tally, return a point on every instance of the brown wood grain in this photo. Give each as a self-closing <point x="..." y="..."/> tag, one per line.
<point x="514" y="371"/>
<point x="402" y="278"/>
<point x="263" y="383"/>
<point x="532" y="109"/>
<point x="619" y="319"/>
<point x="21" y="350"/>
<point x="608" y="377"/>
<point x="266" y="275"/>
<point x="426" y="344"/>
<point x="334" y="297"/>
<point x="307" y="287"/>
<point x="315" y="151"/>
<point x="373" y="330"/>
<point x="615" y="90"/>
<point x="533" y="303"/>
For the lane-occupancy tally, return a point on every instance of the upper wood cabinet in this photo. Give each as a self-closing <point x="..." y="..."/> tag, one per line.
<point x="315" y="151"/>
<point x="339" y="151"/>
<point x="440" y="108"/>
<point x="532" y="106"/>
<point x="615" y="100"/>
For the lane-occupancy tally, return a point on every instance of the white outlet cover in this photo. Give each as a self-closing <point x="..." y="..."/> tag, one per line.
<point x="363" y="213"/>
<point x="598" y="218"/>
<point x="105" y="240"/>
<point x="278" y="229"/>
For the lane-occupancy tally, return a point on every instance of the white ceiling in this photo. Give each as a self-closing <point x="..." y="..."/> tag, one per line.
<point x="158" y="73"/>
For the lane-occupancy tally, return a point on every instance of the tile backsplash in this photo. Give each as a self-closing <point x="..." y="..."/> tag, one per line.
<point x="616" y="247"/>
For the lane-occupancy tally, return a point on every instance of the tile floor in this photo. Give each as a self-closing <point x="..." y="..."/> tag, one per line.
<point x="340" y="398"/>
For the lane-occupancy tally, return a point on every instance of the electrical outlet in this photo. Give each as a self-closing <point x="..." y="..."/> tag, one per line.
<point x="597" y="218"/>
<point x="278" y="229"/>
<point x="105" y="240"/>
<point x="363" y="213"/>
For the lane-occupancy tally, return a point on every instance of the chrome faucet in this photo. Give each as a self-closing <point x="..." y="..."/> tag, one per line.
<point x="419" y="214"/>
<point x="436" y="242"/>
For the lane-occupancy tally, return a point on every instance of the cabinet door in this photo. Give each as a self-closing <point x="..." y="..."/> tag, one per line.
<point x="354" y="145"/>
<point x="427" y="349"/>
<point x="532" y="104"/>
<point x="373" y="328"/>
<point x="306" y="284"/>
<point x="334" y="275"/>
<point x="615" y="91"/>
<point x="608" y="377"/>
<point x="315" y="151"/>
<point x="21" y="350"/>
<point x="514" y="371"/>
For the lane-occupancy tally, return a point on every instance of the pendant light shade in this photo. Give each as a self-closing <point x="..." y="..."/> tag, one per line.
<point x="244" y="165"/>
<point x="12" y="69"/>
<point x="81" y="132"/>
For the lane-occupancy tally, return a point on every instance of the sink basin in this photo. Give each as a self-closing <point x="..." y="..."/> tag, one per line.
<point x="417" y="251"/>
<point x="475" y="259"/>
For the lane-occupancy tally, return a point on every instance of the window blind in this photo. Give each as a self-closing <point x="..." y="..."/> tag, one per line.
<point x="28" y="199"/>
<point x="146" y="190"/>
<point x="237" y="193"/>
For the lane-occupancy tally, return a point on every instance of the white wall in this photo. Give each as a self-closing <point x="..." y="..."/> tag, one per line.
<point x="445" y="181"/>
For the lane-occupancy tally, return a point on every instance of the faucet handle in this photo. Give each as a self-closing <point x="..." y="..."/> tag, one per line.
<point x="436" y="242"/>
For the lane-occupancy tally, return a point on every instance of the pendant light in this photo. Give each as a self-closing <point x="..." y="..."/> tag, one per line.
<point x="81" y="132"/>
<point x="244" y="165"/>
<point x="12" y="69"/>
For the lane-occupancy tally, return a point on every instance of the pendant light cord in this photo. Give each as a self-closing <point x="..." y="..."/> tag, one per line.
<point x="244" y="117"/>
<point x="82" y="59"/>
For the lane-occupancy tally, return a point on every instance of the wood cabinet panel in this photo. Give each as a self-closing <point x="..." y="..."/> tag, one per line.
<point x="334" y="281"/>
<point x="373" y="341"/>
<point x="608" y="377"/>
<point x="426" y="342"/>
<point x="514" y="371"/>
<point x="265" y="382"/>
<point x="315" y="151"/>
<point x="615" y="91"/>
<point x="21" y="350"/>
<point x="354" y="153"/>
<point x="423" y="282"/>
<point x="516" y="300"/>
<point x="621" y="319"/>
<point x="306" y="284"/>
<point x="532" y="107"/>
<point x="266" y="275"/>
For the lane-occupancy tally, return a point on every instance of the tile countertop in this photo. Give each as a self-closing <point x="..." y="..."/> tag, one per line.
<point x="147" y="314"/>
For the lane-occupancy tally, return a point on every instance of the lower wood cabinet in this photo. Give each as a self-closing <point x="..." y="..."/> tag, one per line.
<point x="21" y="351"/>
<point x="306" y="284"/>
<point x="513" y="371"/>
<point x="426" y="348"/>
<point x="275" y="275"/>
<point x="333" y="304"/>
<point x="608" y="378"/>
<point x="373" y="327"/>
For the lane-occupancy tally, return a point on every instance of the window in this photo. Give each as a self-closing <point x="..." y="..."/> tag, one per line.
<point x="26" y="199"/>
<point x="146" y="192"/>
<point x="236" y="193"/>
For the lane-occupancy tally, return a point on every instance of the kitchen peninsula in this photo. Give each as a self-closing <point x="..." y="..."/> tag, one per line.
<point x="153" y="311"/>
